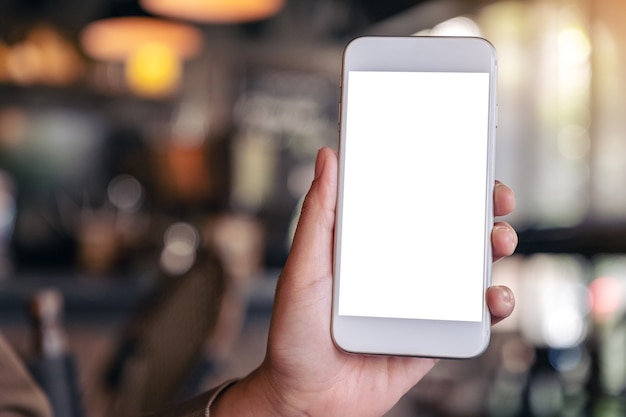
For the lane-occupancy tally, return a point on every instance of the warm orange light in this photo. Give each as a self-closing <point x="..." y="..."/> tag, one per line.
<point x="44" y="56"/>
<point x="215" y="11"/>
<point x="153" y="70"/>
<point x="118" y="38"/>
<point x="4" y="55"/>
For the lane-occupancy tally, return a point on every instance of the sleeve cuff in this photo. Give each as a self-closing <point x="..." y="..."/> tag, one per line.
<point x="216" y="393"/>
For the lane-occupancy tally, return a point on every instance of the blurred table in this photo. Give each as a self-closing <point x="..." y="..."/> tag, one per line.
<point x="104" y="298"/>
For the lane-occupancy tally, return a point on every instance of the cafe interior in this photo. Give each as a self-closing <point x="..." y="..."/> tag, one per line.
<point x="153" y="159"/>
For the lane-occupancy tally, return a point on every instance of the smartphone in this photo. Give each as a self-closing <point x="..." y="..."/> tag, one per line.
<point x="413" y="257"/>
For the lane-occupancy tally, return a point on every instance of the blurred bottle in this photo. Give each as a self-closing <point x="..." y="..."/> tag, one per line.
<point x="52" y="365"/>
<point x="7" y="221"/>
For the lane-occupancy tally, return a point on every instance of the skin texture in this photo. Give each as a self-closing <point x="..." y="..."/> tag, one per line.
<point x="303" y="373"/>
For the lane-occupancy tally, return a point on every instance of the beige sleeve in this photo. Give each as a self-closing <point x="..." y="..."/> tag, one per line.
<point x="19" y="395"/>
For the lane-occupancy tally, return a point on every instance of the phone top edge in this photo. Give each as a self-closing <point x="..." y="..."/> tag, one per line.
<point x="419" y="53"/>
<point x="448" y="39"/>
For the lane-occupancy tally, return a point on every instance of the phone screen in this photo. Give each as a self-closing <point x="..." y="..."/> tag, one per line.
<point x="414" y="195"/>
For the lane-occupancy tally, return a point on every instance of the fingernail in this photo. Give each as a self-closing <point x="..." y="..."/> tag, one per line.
<point x="319" y="164"/>
<point x="510" y="235"/>
<point x="504" y="229"/>
<point x="505" y="295"/>
<point x="513" y="238"/>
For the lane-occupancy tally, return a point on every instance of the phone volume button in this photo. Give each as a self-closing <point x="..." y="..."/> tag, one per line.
<point x="497" y="116"/>
<point x="339" y="113"/>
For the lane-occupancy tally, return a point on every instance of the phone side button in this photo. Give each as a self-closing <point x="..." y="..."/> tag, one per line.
<point x="497" y="115"/>
<point x="339" y="113"/>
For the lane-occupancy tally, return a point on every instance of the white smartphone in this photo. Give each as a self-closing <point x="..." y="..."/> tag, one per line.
<point x="415" y="203"/>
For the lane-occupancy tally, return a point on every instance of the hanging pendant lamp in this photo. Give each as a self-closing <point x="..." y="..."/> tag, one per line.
<point x="215" y="11"/>
<point x="115" y="39"/>
<point x="151" y="49"/>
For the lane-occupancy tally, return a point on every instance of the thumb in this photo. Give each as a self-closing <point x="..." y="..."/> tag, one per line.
<point x="312" y="247"/>
<point x="303" y="294"/>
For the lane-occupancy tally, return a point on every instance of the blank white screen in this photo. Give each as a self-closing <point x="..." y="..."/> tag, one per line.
<point x="414" y="200"/>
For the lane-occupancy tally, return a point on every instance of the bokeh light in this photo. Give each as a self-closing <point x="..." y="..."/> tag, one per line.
<point x="153" y="70"/>
<point x="179" y="252"/>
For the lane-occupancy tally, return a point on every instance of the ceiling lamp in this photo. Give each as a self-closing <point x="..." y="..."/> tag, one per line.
<point x="118" y="38"/>
<point x="151" y="49"/>
<point x="215" y="11"/>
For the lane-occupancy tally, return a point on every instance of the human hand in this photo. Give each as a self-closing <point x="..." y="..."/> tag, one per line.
<point x="304" y="374"/>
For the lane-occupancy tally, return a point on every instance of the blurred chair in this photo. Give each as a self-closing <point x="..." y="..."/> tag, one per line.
<point x="164" y="341"/>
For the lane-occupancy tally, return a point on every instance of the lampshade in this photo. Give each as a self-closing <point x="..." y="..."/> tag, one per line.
<point x="215" y="11"/>
<point x="118" y="38"/>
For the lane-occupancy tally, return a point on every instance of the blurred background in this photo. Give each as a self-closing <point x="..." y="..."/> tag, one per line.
<point x="153" y="155"/>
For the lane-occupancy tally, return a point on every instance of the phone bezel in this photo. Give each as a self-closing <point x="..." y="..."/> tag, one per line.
<point x="409" y="337"/>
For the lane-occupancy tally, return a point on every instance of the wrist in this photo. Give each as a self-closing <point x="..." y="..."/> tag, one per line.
<point x="252" y="396"/>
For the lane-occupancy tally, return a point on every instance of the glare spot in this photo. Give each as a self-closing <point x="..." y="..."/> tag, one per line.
<point x="574" y="46"/>
<point x="179" y="252"/>
<point x="563" y="328"/>
<point x="126" y="193"/>
<point x="457" y="26"/>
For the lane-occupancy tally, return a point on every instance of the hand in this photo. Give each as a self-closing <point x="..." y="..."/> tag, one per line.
<point x="303" y="373"/>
